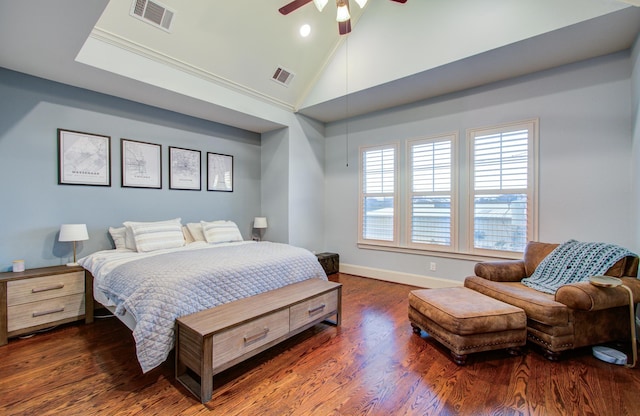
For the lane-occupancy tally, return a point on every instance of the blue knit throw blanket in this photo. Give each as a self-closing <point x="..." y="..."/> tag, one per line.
<point x="572" y="262"/>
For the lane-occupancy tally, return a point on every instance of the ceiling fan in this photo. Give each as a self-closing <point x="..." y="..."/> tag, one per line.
<point x="343" y="17"/>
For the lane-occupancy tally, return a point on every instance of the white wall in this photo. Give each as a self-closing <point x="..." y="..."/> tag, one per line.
<point x="584" y="169"/>
<point x="635" y="115"/>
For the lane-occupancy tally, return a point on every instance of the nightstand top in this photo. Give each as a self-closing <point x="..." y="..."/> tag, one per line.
<point x="39" y="272"/>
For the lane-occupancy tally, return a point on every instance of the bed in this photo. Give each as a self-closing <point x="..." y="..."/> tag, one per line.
<point x="149" y="289"/>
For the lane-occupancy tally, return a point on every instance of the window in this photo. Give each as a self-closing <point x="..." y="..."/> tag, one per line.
<point x="431" y="202"/>
<point x="378" y="195"/>
<point x="418" y="202"/>
<point x="502" y="206"/>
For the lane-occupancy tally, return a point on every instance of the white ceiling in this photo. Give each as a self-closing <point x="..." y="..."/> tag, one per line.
<point x="217" y="60"/>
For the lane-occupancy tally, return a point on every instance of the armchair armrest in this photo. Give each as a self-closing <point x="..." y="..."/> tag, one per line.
<point x="501" y="271"/>
<point x="587" y="297"/>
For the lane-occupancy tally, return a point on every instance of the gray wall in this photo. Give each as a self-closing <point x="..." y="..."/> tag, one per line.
<point x="34" y="205"/>
<point x="584" y="169"/>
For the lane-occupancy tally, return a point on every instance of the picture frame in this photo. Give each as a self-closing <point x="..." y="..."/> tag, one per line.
<point x="185" y="169"/>
<point x="83" y="158"/>
<point x="141" y="164"/>
<point x="219" y="172"/>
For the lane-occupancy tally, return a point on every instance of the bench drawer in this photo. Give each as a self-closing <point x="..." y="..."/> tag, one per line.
<point x="311" y="309"/>
<point x="38" y="313"/>
<point x="237" y="341"/>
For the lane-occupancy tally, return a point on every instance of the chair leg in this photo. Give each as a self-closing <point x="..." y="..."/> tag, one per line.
<point x="515" y="351"/>
<point x="552" y="355"/>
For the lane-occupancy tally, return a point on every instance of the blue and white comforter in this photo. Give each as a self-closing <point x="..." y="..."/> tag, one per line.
<point x="157" y="289"/>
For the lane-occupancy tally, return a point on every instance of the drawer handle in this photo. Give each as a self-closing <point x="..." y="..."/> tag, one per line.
<point x="49" y="312"/>
<point x="44" y="289"/>
<point x="248" y="339"/>
<point x="317" y="309"/>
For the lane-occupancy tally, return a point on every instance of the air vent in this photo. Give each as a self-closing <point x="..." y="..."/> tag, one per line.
<point x="153" y="13"/>
<point x="282" y="76"/>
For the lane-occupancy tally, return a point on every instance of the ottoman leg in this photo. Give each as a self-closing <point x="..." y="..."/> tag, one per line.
<point x="515" y="351"/>
<point x="460" y="359"/>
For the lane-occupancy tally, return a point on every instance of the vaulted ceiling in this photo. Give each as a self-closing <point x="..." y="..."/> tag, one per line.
<point x="217" y="59"/>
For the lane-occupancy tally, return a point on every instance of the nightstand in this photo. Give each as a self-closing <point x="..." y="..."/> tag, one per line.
<point x="41" y="298"/>
<point x="330" y="262"/>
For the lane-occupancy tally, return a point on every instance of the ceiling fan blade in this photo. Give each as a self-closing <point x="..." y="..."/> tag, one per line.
<point x="344" y="27"/>
<point x="294" y="5"/>
<point x="400" y="1"/>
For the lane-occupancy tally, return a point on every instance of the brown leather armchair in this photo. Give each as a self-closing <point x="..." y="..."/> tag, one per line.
<point x="578" y="315"/>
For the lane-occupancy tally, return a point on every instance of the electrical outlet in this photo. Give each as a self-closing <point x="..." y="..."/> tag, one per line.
<point x="432" y="266"/>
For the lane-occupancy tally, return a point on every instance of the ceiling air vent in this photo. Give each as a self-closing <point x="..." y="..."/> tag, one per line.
<point x="282" y="76"/>
<point x="153" y="13"/>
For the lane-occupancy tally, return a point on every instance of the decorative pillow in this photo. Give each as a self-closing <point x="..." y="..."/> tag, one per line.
<point x="118" y="237"/>
<point x="188" y="238"/>
<point x="195" y="228"/>
<point x="221" y="231"/>
<point x="158" y="235"/>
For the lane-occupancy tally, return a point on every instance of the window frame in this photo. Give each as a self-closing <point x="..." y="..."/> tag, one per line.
<point x="452" y="193"/>
<point x="362" y="195"/>
<point x="532" y="126"/>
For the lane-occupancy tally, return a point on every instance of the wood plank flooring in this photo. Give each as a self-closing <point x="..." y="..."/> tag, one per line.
<point x="372" y="365"/>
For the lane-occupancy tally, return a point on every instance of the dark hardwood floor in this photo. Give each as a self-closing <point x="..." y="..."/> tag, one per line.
<point x="373" y="364"/>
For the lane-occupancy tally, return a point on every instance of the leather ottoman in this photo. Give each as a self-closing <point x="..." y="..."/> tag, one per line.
<point x="466" y="321"/>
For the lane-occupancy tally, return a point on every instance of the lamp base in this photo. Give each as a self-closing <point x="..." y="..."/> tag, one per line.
<point x="73" y="264"/>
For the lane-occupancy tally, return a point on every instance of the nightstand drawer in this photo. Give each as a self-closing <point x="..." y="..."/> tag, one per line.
<point x="237" y="341"/>
<point x="311" y="309"/>
<point x="38" y="313"/>
<point x="41" y="288"/>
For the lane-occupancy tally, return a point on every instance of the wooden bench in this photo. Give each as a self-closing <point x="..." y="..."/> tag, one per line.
<point x="213" y="340"/>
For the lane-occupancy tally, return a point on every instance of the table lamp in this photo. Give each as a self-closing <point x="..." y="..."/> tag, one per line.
<point x="260" y="223"/>
<point x="73" y="232"/>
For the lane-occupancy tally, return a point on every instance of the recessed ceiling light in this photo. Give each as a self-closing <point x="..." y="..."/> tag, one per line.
<point x="305" y="30"/>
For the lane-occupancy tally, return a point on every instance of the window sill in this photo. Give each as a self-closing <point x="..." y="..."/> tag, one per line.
<point x="444" y="254"/>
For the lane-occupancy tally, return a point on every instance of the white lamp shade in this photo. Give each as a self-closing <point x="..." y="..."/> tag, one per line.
<point x="320" y="4"/>
<point x="73" y="232"/>
<point x="260" y="222"/>
<point x="343" y="12"/>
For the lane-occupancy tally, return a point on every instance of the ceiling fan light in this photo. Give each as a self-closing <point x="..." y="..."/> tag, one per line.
<point x="361" y="3"/>
<point x="320" y="4"/>
<point x="343" y="12"/>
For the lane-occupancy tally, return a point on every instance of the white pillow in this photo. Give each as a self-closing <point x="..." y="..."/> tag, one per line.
<point x="118" y="237"/>
<point x="195" y="228"/>
<point x="158" y="235"/>
<point x="221" y="231"/>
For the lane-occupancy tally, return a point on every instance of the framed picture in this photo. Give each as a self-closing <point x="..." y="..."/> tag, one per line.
<point x="83" y="158"/>
<point x="184" y="169"/>
<point x="141" y="164"/>
<point x="219" y="172"/>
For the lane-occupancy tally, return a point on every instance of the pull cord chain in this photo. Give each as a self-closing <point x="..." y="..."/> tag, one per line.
<point x="346" y="71"/>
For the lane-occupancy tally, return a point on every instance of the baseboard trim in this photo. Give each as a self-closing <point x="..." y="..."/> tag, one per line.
<point x="398" y="277"/>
